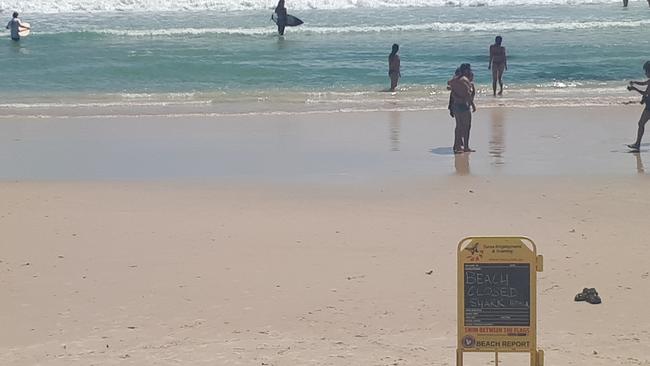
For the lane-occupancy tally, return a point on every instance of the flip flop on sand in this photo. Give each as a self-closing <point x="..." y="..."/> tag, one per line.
<point x="593" y="299"/>
<point x="589" y="295"/>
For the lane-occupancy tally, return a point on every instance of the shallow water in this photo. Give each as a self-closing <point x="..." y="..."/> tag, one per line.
<point x="337" y="58"/>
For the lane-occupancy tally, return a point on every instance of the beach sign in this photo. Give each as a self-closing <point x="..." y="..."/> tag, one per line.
<point x="497" y="296"/>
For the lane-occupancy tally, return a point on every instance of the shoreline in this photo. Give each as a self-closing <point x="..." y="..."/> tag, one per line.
<point x="269" y="102"/>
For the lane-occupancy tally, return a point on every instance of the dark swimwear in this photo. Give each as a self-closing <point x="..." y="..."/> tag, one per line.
<point x="281" y="12"/>
<point x="461" y="107"/>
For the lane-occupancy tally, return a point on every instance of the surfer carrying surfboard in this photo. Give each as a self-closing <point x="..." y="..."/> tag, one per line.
<point x="15" y="26"/>
<point x="281" y="13"/>
<point x="282" y="19"/>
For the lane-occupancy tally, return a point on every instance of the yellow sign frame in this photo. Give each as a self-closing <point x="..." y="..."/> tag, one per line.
<point x="503" y="253"/>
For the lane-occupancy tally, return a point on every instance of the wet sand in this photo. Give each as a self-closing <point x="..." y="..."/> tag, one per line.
<point x="330" y="147"/>
<point x="308" y="239"/>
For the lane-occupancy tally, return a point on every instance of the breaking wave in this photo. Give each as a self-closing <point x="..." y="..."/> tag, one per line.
<point x="95" y="6"/>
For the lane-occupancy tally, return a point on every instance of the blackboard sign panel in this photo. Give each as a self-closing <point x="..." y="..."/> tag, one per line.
<point x="497" y="294"/>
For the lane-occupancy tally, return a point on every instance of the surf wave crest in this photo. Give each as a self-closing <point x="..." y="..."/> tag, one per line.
<point x="434" y="27"/>
<point x="94" y="6"/>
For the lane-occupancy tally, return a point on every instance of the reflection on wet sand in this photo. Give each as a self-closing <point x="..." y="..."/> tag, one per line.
<point x="497" y="138"/>
<point x="394" y="128"/>
<point x="639" y="163"/>
<point x="461" y="163"/>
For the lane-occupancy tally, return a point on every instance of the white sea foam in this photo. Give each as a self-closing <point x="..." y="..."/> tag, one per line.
<point x="410" y="97"/>
<point x="434" y="27"/>
<point x="67" y="6"/>
<point x="183" y="31"/>
<point x="480" y="27"/>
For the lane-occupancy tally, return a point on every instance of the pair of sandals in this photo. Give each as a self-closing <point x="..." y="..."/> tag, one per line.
<point x="589" y="295"/>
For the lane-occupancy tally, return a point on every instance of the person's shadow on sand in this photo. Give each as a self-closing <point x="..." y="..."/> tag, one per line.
<point x="627" y="150"/>
<point x="641" y="150"/>
<point x="442" y="150"/>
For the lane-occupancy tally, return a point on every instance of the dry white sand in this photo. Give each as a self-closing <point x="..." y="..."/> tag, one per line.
<point x="283" y="267"/>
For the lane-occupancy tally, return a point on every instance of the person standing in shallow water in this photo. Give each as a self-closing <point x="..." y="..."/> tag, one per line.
<point x="281" y="12"/>
<point x="645" y="99"/>
<point x="498" y="64"/>
<point x="15" y="26"/>
<point x="394" y="67"/>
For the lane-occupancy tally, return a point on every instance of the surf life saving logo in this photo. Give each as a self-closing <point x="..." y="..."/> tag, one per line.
<point x="469" y="341"/>
<point x="475" y="253"/>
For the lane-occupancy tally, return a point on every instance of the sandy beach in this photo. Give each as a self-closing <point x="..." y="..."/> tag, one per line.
<point x="312" y="239"/>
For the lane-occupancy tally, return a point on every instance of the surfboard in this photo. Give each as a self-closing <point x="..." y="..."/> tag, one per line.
<point x="291" y="20"/>
<point x="24" y="32"/>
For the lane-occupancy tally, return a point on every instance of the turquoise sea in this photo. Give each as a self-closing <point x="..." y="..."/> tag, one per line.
<point x="227" y="57"/>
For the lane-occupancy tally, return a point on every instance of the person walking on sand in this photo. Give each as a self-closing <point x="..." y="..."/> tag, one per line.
<point x="281" y="12"/>
<point x="15" y="26"/>
<point x="645" y="99"/>
<point x="461" y="101"/>
<point x="498" y="64"/>
<point x="394" y="67"/>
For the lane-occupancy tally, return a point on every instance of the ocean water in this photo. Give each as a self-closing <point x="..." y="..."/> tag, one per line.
<point x="224" y="56"/>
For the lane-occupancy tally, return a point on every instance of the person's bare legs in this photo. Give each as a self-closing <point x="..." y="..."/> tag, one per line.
<point x="497" y="74"/>
<point x="461" y="135"/>
<point x="645" y="116"/>
<point x="467" y="126"/>
<point x="500" y="71"/>
<point x="458" y="132"/>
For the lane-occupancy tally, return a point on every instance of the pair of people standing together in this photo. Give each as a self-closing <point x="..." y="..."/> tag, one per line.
<point x="461" y="99"/>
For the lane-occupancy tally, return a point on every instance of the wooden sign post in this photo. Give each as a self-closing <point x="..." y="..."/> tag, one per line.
<point x="497" y="297"/>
